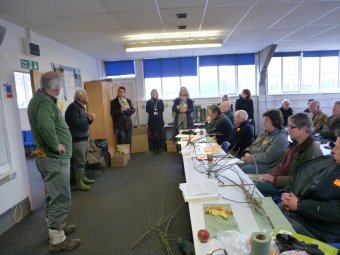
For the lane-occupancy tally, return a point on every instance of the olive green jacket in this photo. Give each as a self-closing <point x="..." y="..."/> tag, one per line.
<point x="48" y="125"/>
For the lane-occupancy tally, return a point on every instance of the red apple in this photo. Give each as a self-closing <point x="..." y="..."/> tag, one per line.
<point x="203" y="235"/>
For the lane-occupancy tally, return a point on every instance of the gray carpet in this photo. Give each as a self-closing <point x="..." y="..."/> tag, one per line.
<point x="119" y="209"/>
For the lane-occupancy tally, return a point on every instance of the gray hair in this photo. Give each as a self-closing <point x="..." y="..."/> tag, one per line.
<point x="243" y="114"/>
<point x="79" y="93"/>
<point x="284" y="101"/>
<point x="50" y="80"/>
<point x="302" y="120"/>
<point x="337" y="103"/>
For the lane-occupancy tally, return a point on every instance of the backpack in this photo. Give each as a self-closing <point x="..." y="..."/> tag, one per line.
<point x="95" y="158"/>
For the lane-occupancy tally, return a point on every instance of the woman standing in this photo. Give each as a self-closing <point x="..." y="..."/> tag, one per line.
<point x="183" y="106"/>
<point x="155" y="109"/>
<point x="246" y="103"/>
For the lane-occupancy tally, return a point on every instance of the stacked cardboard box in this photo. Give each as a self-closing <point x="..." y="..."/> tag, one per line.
<point x="171" y="146"/>
<point x="120" y="155"/>
<point x="140" y="141"/>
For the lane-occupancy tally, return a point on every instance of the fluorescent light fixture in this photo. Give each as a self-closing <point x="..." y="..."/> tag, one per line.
<point x="173" y="44"/>
<point x="174" y="35"/>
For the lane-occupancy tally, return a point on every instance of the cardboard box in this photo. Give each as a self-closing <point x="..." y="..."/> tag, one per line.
<point x="140" y="139"/>
<point x="171" y="146"/>
<point x="120" y="159"/>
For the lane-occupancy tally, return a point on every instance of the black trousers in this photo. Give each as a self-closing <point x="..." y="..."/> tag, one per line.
<point x="156" y="136"/>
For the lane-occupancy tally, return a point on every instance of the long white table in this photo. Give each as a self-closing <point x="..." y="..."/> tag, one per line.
<point x="229" y="190"/>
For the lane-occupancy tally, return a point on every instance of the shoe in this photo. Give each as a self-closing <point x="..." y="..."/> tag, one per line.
<point x="69" y="229"/>
<point x="67" y="245"/>
<point x="87" y="180"/>
<point x="185" y="247"/>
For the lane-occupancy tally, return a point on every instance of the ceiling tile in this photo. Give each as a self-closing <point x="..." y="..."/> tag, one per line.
<point x="37" y="9"/>
<point x="180" y="3"/>
<point x="304" y="33"/>
<point x="129" y="5"/>
<point x="308" y="12"/>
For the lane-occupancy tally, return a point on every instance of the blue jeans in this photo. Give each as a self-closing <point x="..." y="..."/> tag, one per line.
<point x="124" y="136"/>
<point x="250" y="168"/>
<point x="267" y="189"/>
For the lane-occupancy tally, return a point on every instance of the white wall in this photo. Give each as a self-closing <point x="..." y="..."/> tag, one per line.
<point x="11" y="51"/>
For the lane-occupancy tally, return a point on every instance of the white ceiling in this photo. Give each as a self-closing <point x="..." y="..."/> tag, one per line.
<point x="98" y="27"/>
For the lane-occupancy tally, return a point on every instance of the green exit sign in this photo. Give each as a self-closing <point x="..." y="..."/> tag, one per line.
<point x="28" y="64"/>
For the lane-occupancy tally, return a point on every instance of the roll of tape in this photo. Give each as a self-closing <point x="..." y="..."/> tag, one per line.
<point x="260" y="243"/>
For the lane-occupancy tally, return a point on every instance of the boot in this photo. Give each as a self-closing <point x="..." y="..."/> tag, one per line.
<point x="79" y="182"/>
<point x="66" y="245"/>
<point x="86" y="180"/>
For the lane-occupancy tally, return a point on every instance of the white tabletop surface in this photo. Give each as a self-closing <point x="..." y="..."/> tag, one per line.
<point x="195" y="172"/>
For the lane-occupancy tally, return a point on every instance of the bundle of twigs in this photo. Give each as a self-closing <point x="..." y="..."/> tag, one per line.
<point x="162" y="229"/>
<point x="219" y="170"/>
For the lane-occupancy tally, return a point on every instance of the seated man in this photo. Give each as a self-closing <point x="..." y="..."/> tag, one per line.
<point x="226" y="110"/>
<point x="286" y="111"/>
<point x="318" y="117"/>
<point x="269" y="146"/>
<point x="332" y="126"/>
<point x="302" y="149"/>
<point x="219" y="124"/>
<point x="242" y="134"/>
<point x="313" y="205"/>
<point x="307" y="110"/>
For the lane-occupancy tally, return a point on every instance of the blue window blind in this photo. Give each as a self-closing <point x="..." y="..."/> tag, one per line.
<point x="170" y="67"/>
<point x="227" y="60"/>
<point x="325" y="53"/>
<point x="287" y="54"/>
<point x="115" y="68"/>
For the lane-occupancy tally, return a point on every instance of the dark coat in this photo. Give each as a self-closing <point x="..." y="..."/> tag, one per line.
<point x="121" y="119"/>
<point x="190" y="122"/>
<point x="155" y="120"/>
<point x="247" y="105"/>
<point x="317" y="185"/>
<point x="241" y="138"/>
<point x="221" y="124"/>
<point x="77" y="121"/>
<point x="286" y="114"/>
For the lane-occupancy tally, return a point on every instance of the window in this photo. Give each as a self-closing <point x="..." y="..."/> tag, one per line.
<point x="171" y="87"/>
<point x="329" y="69"/>
<point x="153" y="83"/>
<point x="310" y="74"/>
<point x="23" y="88"/>
<point x="290" y="74"/>
<point x="307" y="72"/>
<point x="274" y="76"/>
<point x="191" y="82"/>
<point x="227" y="80"/>
<point x="246" y="78"/>
<point x="208" y="81"/>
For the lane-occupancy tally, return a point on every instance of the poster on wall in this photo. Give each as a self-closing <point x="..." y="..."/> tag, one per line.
<point x="70" y="82"/>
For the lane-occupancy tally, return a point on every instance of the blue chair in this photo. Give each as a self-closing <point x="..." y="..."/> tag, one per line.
<point x="336" y="245"/>
<point x="28" y="141"/>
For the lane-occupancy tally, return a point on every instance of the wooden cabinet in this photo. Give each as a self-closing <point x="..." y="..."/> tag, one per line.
<point x="101" y="93"/>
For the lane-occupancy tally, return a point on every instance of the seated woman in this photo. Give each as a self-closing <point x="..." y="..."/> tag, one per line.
<point x="267" y="149"/>
<point x="242" y="134"/>
<point x="219" y="124"/>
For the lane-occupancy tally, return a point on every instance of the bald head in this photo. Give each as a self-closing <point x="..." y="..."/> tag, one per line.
<point x="314" y="107"/>
<point x="225" y="106"/>
<point x="49" y="80"/>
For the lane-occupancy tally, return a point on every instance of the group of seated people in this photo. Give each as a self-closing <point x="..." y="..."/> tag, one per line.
<point x="307" y="182"/>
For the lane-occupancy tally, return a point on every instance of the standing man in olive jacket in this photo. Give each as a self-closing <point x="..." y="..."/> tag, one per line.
<point x="313" y="204"/>
<point x="79" y="121"/>
<point x="54" y="142"/>
<point x="121" y="111"/>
